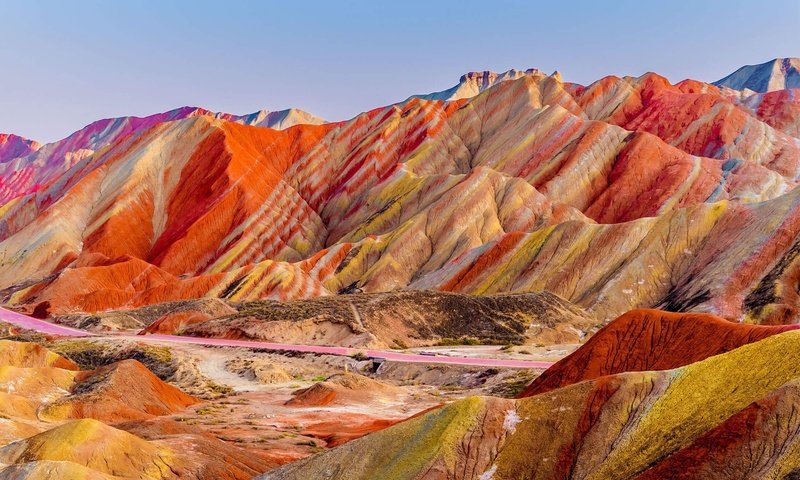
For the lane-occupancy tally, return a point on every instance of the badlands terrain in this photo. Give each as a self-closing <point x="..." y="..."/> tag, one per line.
<point x="514" y="278"/>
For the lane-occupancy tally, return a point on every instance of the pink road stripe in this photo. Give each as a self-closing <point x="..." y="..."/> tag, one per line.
<point x="42" y="326"/>
<point x="30" y="323"/>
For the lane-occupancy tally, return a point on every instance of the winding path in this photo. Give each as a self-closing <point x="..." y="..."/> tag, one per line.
<point x="30" y="323"/>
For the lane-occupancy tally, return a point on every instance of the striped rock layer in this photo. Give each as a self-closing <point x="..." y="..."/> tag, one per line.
<point x="26" y="166"/>
<point x="642" y="340"/>
<point x="13" y="146"/>
<point x="630" y="192"/>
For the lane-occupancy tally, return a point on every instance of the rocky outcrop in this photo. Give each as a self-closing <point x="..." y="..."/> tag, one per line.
<point x="405" y="319"/>
<point x="473" y="83"/>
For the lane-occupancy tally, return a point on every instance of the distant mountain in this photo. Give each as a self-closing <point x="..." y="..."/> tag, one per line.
<point x="26" y="167"/>
<point x="278" y="120"/>
<point x="726" y="416"/>
<point x="777" y="74"/>
<point x="473" y="83"/>
<point x="13" y="146"/>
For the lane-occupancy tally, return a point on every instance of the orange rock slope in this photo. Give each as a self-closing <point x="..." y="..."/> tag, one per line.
<point x="678" y="196"/>
<point x="59" y="422"/>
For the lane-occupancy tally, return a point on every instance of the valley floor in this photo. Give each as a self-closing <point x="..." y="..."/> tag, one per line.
<point x="284" y="405"/>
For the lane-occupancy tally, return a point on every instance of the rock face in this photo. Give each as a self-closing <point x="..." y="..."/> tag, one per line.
<point x="778" y="74"/>
<point x="473" y="83"/>
<point x="405" y="319"/>
<point x="55" y="424"/>
<point x="694" y="421"/>
<point x="678" y="196"/>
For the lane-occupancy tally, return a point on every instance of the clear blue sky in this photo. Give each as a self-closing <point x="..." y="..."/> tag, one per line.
<point x="67" y="63"/>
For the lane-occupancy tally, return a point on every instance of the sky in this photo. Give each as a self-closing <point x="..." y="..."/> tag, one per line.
<point x="65" y="64"/>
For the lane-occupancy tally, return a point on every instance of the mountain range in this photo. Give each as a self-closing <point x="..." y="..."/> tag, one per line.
<point x="678" y="195"/>
<point x="561" y="281"/>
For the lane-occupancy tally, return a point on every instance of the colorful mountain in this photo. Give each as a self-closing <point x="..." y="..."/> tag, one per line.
<point x="681" y="196"/>
<point x="513" y="208"/>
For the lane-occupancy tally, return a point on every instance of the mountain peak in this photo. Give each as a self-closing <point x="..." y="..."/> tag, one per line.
<point x="279" y="119"/>
<point x="473" y="83"/>
<point x="776" y="74"/>
<point x="491" y="77"/>
<point x="13" y="146"/>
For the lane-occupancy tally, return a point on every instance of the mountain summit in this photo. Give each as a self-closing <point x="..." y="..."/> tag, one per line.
<point x="13" y="146"/>
<point x="777" y="74"/>
<point x="473" y="83"/>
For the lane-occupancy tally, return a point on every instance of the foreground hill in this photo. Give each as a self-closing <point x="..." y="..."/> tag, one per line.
<point x="57" y="423"/>
<point x="642" y="340"/>
<point x="679" y="196"/>
<point x="695" y="421"/>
